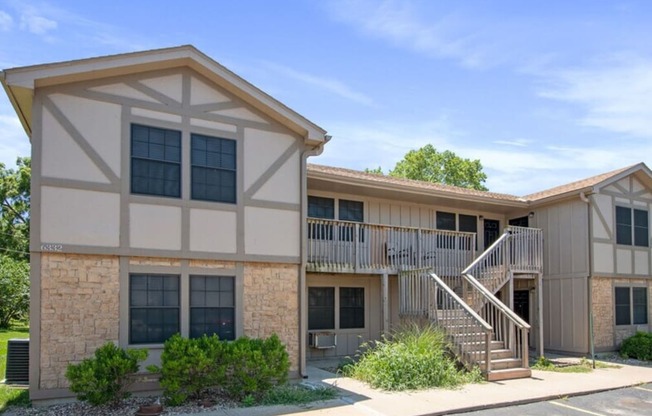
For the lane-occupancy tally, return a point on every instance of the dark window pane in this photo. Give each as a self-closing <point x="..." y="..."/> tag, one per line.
<point x="639" y="295"/>
<point x="351" y="307"/>
<point x="351" y="210"/>
<point x="623" y="306"/>
<point x="641" y="232"/>
<point x="321" y="308"/>
<point x="154" y="312"/>
<point x="623" y="225"/>
<point x="155" y="161"/>
<point x="319" y="207"/>
<point x="468" y="223"/>
<point x="212" y="306"/>
<point x="446" y="221"/>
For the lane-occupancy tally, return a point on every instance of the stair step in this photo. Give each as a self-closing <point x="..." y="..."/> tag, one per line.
<point x="479" y="346"/>
<point x="496" y="354"/>
<point x="509" y="374"/>
<point x="502" y="363"/>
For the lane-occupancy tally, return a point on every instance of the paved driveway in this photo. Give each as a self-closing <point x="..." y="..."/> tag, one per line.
<point x="632" y="401"/>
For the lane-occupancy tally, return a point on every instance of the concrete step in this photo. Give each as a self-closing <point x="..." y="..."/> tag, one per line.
<point x="509" y="374"/>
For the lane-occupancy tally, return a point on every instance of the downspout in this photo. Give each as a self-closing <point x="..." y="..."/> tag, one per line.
<point x="589" y="280"/>
<point x="303" y="305"/>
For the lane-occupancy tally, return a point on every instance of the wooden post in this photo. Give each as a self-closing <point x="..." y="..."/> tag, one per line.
<point x="384" y="289"/>
<point x="540" y="314"/>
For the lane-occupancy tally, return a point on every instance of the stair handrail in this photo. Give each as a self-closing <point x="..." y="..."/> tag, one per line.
<point x="489" y="251"/>
<point x="496" y="302"/>
<point x="485" y="325"/>
<point x="487" y="329"/>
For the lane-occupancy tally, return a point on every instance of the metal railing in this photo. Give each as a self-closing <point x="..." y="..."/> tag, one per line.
<point x="425" y="295"/>
<point x="345" y="246"/>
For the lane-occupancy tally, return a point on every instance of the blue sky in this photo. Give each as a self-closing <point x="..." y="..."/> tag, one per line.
<point x="542" y="93"/>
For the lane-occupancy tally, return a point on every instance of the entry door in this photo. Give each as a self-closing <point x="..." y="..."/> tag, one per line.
<point x="491" y="232"/>
<point x="522" y="304"/>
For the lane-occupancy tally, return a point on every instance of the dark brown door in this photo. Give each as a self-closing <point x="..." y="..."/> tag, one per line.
<point x="491" y="232"/>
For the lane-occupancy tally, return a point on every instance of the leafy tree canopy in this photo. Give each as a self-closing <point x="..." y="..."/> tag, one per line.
<point x="428" y="164"/>
<point x="14" y="209"/>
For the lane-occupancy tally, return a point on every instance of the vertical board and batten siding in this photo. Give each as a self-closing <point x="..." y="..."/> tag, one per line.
<point x="84" y="182"/>
<point x="396" y="213"/>
<point x="566" y="267"/>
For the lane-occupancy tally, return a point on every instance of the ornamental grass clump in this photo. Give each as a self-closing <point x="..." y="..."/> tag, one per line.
<point x="413" y="358"/>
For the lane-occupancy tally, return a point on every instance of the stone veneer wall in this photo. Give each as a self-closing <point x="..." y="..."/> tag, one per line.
<point x="79" y="310"/>
<point x="607" y="336"/>
<point x="271" y="304"/>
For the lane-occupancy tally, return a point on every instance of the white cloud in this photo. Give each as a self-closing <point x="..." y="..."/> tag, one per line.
<point x="445" y="36"/>
<point x="329" y="84"/>
<point x="615" y="96"/>
<point x="514" y="142"/>
<point x="6" y="21"/>
<point x="37" y="25"/>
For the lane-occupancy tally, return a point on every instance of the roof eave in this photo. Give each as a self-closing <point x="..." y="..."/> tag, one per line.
<point x="413" y="190"/>
<point x="24" y="120"/>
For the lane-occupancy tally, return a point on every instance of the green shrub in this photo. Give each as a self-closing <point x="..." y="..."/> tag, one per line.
<point x="242" y="368"/>
<point x="255" y="366"/>
<point x="297" y="394"/>
<point x="105" y="377"/>
<point x="414" y="358"/>
<point x="190" y="366"/>
<point x="638" y="346"/>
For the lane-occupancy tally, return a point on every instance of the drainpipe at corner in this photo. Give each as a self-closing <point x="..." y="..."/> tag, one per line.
<point x="589" y="280"/>
<point x="303" y="305"/>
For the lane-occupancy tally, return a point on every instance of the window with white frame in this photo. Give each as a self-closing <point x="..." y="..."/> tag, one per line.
<point x="631" y="305"/>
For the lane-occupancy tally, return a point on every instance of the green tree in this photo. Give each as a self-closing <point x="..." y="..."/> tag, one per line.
<point x="375" y="171"/>
<point x="428" y="164"/>
<point x="14" y="209"/>
<point x="14" y="290"/>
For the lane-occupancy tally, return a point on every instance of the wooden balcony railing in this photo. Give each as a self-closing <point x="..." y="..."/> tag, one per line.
<point x="352" y="247"/>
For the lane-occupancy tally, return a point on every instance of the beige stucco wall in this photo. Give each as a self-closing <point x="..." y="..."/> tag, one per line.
<point x="79" y="311"/>
<point x="607" y="335"/>
<point x="271" y="304"/>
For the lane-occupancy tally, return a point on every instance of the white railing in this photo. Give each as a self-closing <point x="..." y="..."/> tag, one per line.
<point x="345" y="246"/>
<point x="425" y="295"/>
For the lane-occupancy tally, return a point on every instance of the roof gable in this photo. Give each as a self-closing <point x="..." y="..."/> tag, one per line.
<point x="19" y="83"/>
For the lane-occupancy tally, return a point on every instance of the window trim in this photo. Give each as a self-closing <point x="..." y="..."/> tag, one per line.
<point x="179" y="194"/>
<point x="195" y="164"/>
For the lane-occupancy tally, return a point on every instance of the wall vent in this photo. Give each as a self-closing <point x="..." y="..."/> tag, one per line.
<point x="17" y="361"/>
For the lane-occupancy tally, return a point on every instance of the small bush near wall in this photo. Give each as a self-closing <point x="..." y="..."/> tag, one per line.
<point x="244" y="368"/>
<point x="105" y="377"/>
<point x="638" y="346"/>
<point x="414" y="358"/>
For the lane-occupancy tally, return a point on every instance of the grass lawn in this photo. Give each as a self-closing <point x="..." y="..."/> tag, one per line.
<point x="10" y="395"/>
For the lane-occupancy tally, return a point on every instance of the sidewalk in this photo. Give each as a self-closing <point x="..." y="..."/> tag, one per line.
<point x="358" y="399"/>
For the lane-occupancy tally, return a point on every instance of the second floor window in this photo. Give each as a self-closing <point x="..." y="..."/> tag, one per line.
<point x="155" y="161"/>
<point x="632" y="227"/>
<point x="213" y="169"/>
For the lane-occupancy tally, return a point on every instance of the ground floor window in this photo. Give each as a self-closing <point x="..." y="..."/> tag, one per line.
<point x="153" y="308"/>
<point x="631" y="305"/>
<point x="212" y="306"/>
<point x="322" y="307"/>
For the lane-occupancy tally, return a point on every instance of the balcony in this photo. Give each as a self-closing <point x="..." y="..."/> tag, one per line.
<point x="352" y="247"/>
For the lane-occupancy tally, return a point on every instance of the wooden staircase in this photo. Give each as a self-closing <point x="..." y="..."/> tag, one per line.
<point x="484" y="332"/>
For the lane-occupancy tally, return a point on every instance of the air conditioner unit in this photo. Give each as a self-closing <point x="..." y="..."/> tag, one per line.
<point x="322" y="340"/>
<point x="17" y="371"/>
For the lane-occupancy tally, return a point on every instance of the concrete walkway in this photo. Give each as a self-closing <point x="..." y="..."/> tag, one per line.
<point x="358" y="399"/>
